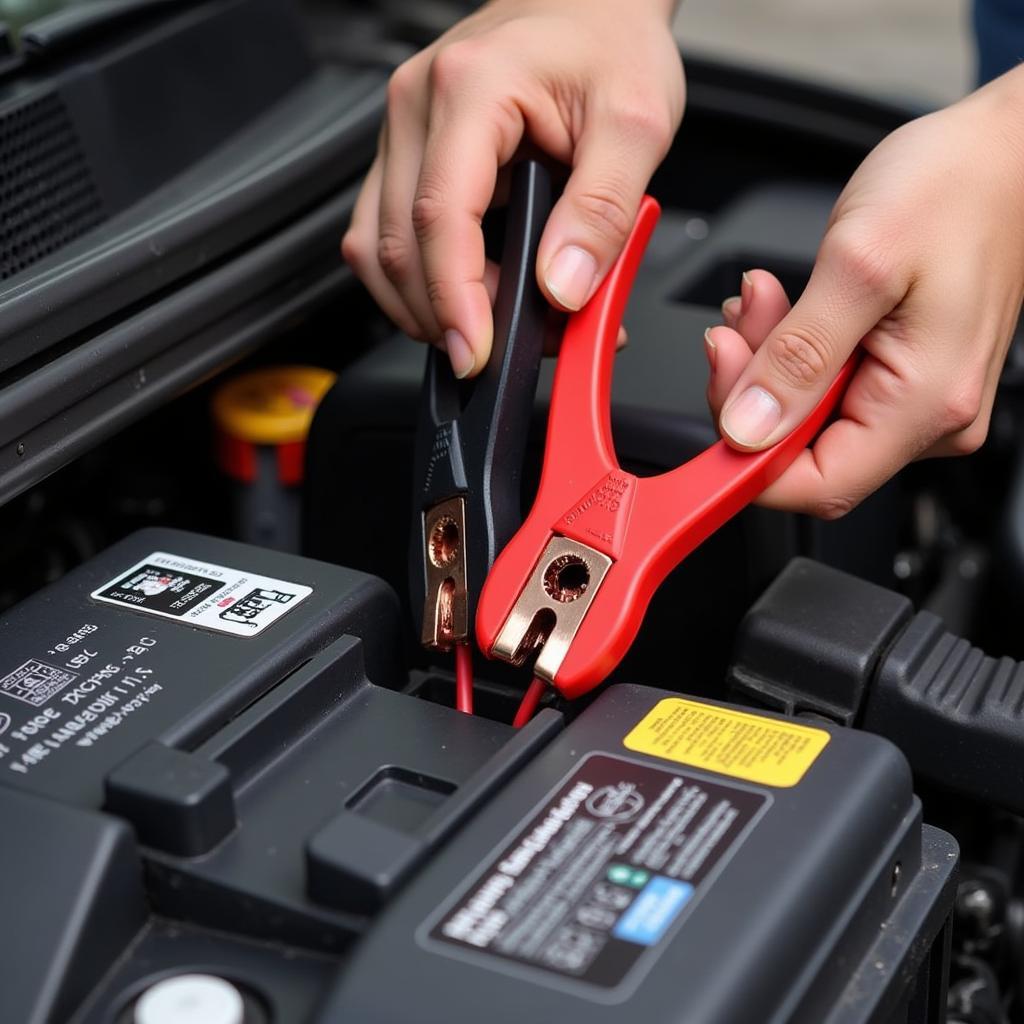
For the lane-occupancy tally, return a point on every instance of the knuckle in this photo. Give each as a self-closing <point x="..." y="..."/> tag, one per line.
<point x="394" y="254"/>
<point x="439" y="292"/>
<point x="832" y="508"/>
<point x="604" y="211"/>
<point x="861" y="259"/>
<point x="428" y="208"/>
<point x="647" y="123"/>
<point x="353" y="250"/>
<point x="960" y="409"/>
<point x="403" y="83"/>
<point x="968" y="441"/>
<point x="799" y="358"/>
<point x="455" y="63"/>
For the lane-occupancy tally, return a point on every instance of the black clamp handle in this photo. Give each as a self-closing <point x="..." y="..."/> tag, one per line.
<point x="471" y="436"/>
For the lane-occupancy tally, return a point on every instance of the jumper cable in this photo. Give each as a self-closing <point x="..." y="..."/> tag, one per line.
<point x="471" y="439"/>
<point x="573" y="584"/>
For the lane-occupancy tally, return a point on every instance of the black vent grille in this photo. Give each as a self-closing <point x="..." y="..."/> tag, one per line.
<point x="47" y="193"/>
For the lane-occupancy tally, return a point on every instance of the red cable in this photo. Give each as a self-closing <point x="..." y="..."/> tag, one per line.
<point x="531" y="699"/>
<point x="464" y="678"/>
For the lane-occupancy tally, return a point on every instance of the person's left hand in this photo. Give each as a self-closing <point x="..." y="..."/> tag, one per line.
<point x="922" y="264"/>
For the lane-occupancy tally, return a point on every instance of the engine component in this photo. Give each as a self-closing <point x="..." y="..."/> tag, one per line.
<point x="176" y="177"/>
<point x="825" y="643"/>
<point x="263" y="420"/>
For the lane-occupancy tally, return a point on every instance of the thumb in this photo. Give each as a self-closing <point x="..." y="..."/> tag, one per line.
<point x="849" y="292"/>
<point x="590" y="223"/>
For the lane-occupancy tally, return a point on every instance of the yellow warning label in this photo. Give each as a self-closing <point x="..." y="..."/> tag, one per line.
<point x="734" y="743"/>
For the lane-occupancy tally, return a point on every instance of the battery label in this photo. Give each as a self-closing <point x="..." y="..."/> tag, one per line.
<point x="751" y="747"/>
<point x="201" y="594"/>
<point x="591" y="884"/>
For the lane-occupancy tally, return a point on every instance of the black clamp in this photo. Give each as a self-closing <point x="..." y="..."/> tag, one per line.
<point x="471" y="435"/>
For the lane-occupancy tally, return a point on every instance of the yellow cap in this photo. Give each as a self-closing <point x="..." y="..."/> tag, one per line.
<point x="274" y="405"/>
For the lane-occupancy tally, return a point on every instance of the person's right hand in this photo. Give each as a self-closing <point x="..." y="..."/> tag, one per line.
<point x="595" y="84"/>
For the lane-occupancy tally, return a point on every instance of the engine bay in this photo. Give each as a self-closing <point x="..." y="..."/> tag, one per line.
<point x="225" y="754"/>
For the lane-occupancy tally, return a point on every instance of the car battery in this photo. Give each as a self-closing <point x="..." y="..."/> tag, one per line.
<point x="673" y="860"/>
<point x="217" y="797"/>
<point x="195" y="766"/>
<point x="162" y="638"/>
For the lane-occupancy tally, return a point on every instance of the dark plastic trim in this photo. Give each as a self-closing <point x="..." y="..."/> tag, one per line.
<point x="55" y="413"/>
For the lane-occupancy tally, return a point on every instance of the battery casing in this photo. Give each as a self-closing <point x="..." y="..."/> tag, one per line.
<point x="75" y="670"/>
<point x="793" y="922"/>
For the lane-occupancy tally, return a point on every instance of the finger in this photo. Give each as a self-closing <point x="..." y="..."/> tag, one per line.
<point x="751" y="315"/>
<point x="359" y="249"/>
<point x="728" y="355"/>
<point x="731" y="309"/>
<point x="397" y="249"/>
<point x="492" y="276"/>
<point x="617" y="153"/>
<point x="824" y="481"/>
<point x="847" y="295"/>
<point x="470" y="136"/>
<point x="763" y="305"/>
<point x="968" y="440"/>
<point x="879" y="431"/>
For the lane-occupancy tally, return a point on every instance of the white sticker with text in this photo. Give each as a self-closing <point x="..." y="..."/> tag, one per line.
<point x="201" y="594"/>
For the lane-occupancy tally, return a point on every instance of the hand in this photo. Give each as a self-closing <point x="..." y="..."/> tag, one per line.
<point x="922" y="264"/>
<point x="594" y="84"/>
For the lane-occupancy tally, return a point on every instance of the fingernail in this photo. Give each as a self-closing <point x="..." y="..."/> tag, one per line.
<point x="746" y="292"/>
<point x="570" y="276"/>
<point x="731" y="309"/>
<point x="751" y="418"/>
<point x="460" y="354"/>
<point x="709" y="348"/>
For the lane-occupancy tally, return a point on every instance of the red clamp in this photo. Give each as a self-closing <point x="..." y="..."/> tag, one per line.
<point x="575" y="581"/>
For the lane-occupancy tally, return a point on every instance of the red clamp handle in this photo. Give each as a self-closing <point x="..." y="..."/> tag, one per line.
<point x="643" y="527"/>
